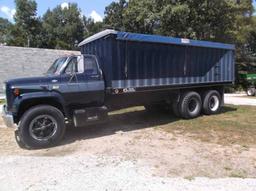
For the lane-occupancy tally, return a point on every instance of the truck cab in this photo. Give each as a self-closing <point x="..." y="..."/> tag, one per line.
<point x="41" y="106"/>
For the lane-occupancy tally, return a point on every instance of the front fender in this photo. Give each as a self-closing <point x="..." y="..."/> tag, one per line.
<point x="38" y="96"/>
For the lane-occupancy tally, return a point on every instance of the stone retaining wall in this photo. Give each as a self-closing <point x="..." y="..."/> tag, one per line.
<point x="18" y="62"/>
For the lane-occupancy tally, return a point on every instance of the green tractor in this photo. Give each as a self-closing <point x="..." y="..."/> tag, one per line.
<point x="250" y="81"/>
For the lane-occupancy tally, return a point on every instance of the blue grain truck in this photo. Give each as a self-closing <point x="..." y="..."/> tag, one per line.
<point x="118" y="70"/>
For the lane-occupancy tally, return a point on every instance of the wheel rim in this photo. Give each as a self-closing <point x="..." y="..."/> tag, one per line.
<point x="250" y="92"/>
<point x="193" y="105"/>
<point x="214" y="103"/>
<point x="43" y="127"/>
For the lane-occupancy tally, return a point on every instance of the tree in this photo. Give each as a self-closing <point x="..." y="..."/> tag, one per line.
<point x="251" y="39"/>
<point x="26" y="21"/>
<point x="218" y="20"/>
<point x="115" y="14"/>
<point x="5" y="26"/>
<point x="244" y="35"/>
<point x="140" y="16"/>
<point x="91" y="27"/>
<point x="243" y="22"/>
<point x="63" y="27"/>
<point x="202" y="19"/>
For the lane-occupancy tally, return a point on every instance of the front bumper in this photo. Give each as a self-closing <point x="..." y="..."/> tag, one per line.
<point x="7" y="117"/>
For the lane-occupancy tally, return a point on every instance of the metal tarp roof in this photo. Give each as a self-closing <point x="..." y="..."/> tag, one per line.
<point x="156" y="39"/>
<point x="97" y="36"/>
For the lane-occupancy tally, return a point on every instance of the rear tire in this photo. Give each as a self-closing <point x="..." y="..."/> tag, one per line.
<point x="41" y="127"/>
<point x="190" y="105"/>
<point x="212" y="102"/>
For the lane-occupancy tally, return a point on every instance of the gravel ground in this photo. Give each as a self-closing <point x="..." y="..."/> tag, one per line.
<point x="144" y="159"/>
<point x="100" y="173"/>
<point x="120" y="157"/>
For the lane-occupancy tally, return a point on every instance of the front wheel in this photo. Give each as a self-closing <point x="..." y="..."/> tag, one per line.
<point x="41" y="127"/>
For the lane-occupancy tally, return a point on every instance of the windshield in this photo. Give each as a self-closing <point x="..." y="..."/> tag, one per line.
<point x="56" y="66"/>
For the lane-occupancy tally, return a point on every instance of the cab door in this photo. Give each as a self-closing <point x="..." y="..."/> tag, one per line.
<point x="69" y="87"/>
<point x="91" y="82"/>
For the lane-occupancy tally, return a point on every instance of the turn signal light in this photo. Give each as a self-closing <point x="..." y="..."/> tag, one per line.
<point x="16" y="92"/>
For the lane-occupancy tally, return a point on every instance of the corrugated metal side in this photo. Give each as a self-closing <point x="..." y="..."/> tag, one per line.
<point x="139" y="64"/>
<point x="130" y="64"/>
<point x="103" y="49"/>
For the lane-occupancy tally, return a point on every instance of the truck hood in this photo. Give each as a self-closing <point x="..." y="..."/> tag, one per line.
<point x="26" y="85"/>
<point x="41" y="80"/>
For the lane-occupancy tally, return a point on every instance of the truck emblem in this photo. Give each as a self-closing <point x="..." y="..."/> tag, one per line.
<point x="185" y="41"/>
<point x="116" y="91"/>
<point x="128" y="90"/>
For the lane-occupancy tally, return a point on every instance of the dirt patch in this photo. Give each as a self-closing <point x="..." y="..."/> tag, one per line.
<point x="211" y="146"/>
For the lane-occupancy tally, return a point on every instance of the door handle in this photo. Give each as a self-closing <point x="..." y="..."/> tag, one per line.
<point x="54" y="81"/>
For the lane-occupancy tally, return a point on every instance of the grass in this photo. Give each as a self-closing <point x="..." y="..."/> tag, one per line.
<point x="2" y="101"/>
<point x="238" y="174"/>
<point x="235" y="125"/>
<point x="190" y="178"/>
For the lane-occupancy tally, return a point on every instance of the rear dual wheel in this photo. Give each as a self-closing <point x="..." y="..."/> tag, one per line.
<point x="212" y="102"/>
<point x="191" y="104"/>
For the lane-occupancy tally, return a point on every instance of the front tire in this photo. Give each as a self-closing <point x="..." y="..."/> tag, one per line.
<point x="41" y="127"/>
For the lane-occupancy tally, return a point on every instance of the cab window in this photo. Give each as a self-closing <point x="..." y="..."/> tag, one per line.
<point x="56" y="66"/>
<point x="91" y="67"/>
<point x="75" y="65"/>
